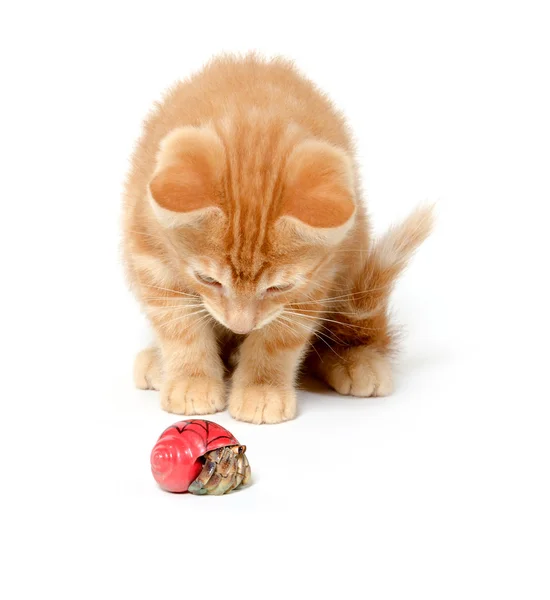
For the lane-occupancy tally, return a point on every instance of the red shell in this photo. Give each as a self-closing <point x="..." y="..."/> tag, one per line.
<point x="175" y="458"/>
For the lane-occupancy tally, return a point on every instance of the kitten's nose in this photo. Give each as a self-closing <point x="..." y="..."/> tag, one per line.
<point x="242" y="321"/>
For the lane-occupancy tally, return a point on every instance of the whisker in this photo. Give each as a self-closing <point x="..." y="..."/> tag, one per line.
<point x="340" y="298"/>
<point x="331" y="321"/>
<point x="174" y="308"/>
<point x="170" y="290"/>
<point x="327" y="312"/>
<point x="285" y="320"/>
<point x="312" y="346"/>
<point x="180" y="302"/>
<point x="332" y="335"/>
<point x="147" y="234"/>
<point x="318" y="335"/>
<point x="319" y="324"/>
<point x="279" y="321"/>
<point x="166" y="298"/>
<point x="203" y="320"/>
<point x="363" y="251"/>
<point x="310" y="343"/>
<point x="182" y="317"/>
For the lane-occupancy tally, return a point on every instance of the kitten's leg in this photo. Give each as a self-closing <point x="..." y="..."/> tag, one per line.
<point x="192" y="369"/>
<point x="263" y="383"/>
<point x="354" y="357"/>
<point x="147" y="369"/>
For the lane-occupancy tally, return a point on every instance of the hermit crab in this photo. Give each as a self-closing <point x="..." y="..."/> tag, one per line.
<point x="200" y="457"/>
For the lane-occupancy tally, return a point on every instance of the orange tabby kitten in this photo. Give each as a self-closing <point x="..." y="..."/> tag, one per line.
<point x="245" y="236"/>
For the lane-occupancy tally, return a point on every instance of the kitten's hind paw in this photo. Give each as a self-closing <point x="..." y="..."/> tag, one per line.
<point x="357" y="371"/>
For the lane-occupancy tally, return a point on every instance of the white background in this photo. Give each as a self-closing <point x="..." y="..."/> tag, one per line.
<point x="442" y="490"/>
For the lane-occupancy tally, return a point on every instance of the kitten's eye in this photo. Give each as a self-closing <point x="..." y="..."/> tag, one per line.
<point x="207" y="280"/>
<point x="274" y="289"/>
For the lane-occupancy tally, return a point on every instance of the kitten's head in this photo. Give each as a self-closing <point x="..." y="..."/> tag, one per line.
<point x="251" y="220"/>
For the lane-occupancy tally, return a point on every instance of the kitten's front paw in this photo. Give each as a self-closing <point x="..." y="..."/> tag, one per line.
<point x="262" y="404"/>
<point x="359" y="371"/>
<point x="192" y="396"/>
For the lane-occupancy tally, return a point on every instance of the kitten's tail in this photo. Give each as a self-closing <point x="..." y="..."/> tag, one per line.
<point x="385" y="261"/>
<point x="391" y="254"/>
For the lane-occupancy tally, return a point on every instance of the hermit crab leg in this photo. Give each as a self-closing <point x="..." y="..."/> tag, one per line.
<point x="199" y="485"/>
<point x="243" y="466"/>
<point x="240" y="466"/>
<point x="226" y="470"/>
<point x="234" y="482"/>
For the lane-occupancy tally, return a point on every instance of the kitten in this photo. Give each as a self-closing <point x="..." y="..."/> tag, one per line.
<point x="244" y="232"/>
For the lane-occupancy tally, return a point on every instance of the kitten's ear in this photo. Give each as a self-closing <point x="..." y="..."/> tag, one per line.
<point x="319" y="197"/>
<point x="186" y="181"/>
